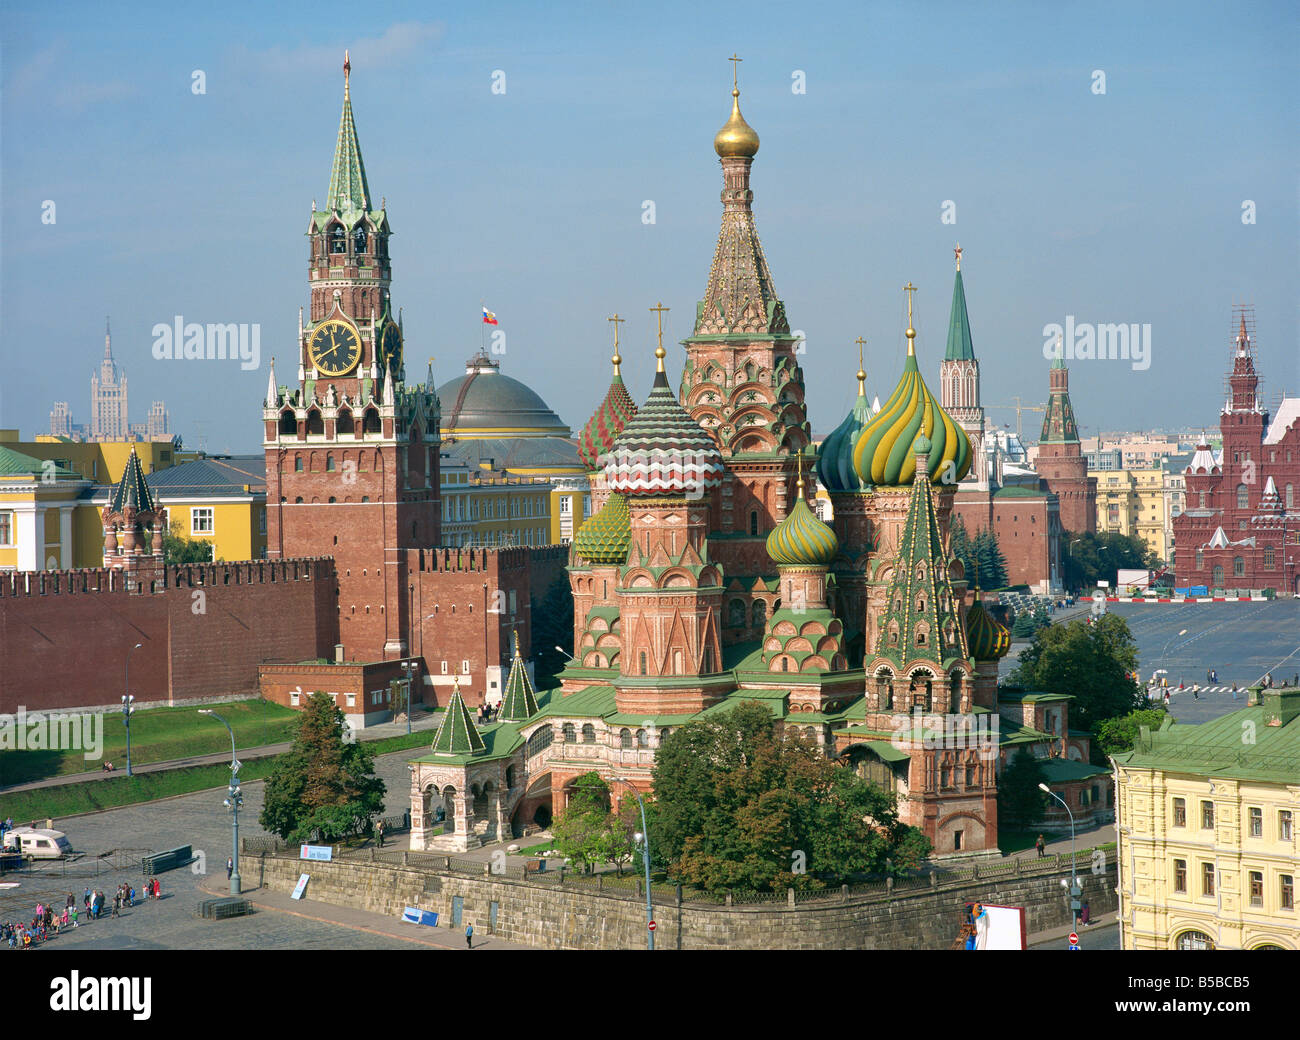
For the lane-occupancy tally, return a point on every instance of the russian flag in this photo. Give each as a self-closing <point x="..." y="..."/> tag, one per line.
<point x="488" y="317"/>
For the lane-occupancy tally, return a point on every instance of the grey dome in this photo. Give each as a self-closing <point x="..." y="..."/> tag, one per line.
<point x="485" y="403"/>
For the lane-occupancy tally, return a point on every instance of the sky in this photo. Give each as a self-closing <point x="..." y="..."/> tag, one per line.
<point x="1102" y="163"/>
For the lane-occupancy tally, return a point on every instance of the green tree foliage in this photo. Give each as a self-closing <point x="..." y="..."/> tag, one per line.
<point x="177" y="550"/>
<point x="1028" y="622"/>
<point x="1118" y="735"/>
<point x="1090" y="557"/>
<point x="1093" y="662"/>
<point x="983" y="551"/>
<point x="323" y="785"/>
<point x="1020" y="802"/>
<point x="582" y="830"/>
<point x="737" y="806"/>
<point x="552" y="627"/>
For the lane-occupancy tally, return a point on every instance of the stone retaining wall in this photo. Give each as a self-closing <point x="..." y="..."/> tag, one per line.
<point x="574" y="917"/>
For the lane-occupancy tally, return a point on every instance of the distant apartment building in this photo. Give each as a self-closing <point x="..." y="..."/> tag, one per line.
<point x="109" y="419"/>
<point x="1133" y="502"/>
<point x="1136" y="450"/>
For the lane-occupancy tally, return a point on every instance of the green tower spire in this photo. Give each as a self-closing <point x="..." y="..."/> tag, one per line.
<point x="457" y="734"/>
<point x="920" y="620"/>
<point x="520" y="702"/>
<point x="349" y="191"/>
<point x="1059" y="426"/>
<point x="959" y="342"/>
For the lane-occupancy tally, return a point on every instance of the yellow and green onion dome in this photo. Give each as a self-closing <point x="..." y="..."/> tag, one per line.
<point x="801" y="540"/>
<point x="605" y="538"/>
<point x="987" y="640"/>
<point x="603" y="428"/>
<point x="883" y="455"/>
<point x="662" y="450"/>
<point x="835" y="460"/>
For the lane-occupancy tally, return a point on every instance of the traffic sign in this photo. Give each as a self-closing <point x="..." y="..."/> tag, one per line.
<point x="1074" y="938"/>
<point x="651" y="926"/>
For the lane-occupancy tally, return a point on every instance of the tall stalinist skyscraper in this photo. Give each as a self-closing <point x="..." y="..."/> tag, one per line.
<point x="108" y="396"/>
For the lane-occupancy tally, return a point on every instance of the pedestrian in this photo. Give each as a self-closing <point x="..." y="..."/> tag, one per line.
<point x="379" y="833"/>
<point x="469" y="937"/>
<point x="230" y="867"/>
<point x="117" y="902"/>
<point x="1167" y="698"/>
<point x="1196" y="691"/>
<point x="1084" y="913"/>
<point x="74" y="917"/>
<point x="1039" y="844"/>
<point x="157" y="889"/>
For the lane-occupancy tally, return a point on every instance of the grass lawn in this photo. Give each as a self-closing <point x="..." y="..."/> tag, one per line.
<point x="535" y="850"/>
<point x="157" y="735"/>
<point x="1010" y="841"/>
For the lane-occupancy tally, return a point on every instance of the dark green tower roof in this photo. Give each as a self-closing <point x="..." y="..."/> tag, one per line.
<point x="520" y="702"/>
<point x="349" y="191"/>
<point x="457" y="734"/>
<point x="959" y="342"/>
<point x="132" y="491"/>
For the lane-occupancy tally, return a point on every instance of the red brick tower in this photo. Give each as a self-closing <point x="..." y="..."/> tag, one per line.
<point x="352" y="463"/>
<point x="1060" y="457"/>
<point x="742" y="381"/>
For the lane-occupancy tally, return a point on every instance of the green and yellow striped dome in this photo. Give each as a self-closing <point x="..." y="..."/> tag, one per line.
<point x="883" y="455"/>
<point x="606" y="536"/>
<point x="801" y="540"/>
<point x="987" y="640"/>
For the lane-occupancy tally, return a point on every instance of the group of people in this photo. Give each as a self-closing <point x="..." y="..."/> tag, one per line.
<point x="48" y="921"/>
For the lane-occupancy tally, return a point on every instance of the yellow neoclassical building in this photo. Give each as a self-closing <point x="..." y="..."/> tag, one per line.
<point x="1206" y="823"/>
<point x="1134" y="502"/>
<point x="486" y="508"/>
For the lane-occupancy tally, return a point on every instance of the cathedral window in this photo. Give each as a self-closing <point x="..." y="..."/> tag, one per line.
<point x="371" y="423"/>
<point x="570" y="734"/>
<point x="588" y="734"/>
<point x="642" y="739"/>
<point x="625" y="738"/>
<point x="643" y="663"/>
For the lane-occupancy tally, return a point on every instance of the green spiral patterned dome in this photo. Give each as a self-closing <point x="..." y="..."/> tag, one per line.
<point x="987" y="640"/>
<point x="801" y="540"/>
<point x="835" y="460"/>
<point x="883" y="453"/>
<point x="606" y="536"/>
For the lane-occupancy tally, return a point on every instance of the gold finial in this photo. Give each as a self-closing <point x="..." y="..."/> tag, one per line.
<point x="347" y="73"/>
<point x="977" y="577"/>
<point x="862" y="373"/>
<point x="737" y="138"/>
<point x="660" y="353"/>
<point x="800" y="481"/>
<point x="957" y="253"/>
<point x="616" y="358"/>
<point x="909" y="288"/>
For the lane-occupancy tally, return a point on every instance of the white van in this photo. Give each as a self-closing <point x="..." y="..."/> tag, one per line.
<point x="38" y="842"/>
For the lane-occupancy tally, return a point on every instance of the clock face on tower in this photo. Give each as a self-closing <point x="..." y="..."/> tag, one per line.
<point x="391" y="344"/>
<point x="334" y="347"/>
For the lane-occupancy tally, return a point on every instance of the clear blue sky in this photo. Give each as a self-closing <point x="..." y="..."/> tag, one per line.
<point x="1122" y="207"/>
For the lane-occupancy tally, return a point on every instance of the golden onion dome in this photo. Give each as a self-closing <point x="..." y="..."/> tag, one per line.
<point x="605" y="538"/>
<point x="737" y="138"/>
<point x="801" y="540"/>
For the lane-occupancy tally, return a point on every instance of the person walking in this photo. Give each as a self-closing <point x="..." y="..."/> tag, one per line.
<point x="1039" y="845"/>
<point x="469" y="937"/>
<point x="379" y="833"/>
<point x="1196" y="691"/>
<point x="1085" y="913"/>
<point x="230" y="867"/>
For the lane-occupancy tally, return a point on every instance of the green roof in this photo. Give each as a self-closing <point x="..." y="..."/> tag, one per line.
<point x="1063" y="770"/>
<point x="1016" y="491"/>
<point x="16" y="464"/>
<point x="887" y="751"/>
<point x="132" y="492"/>
<point x="1014" y="696"/>
<point x="456" y="734"/>
<point x="959" y="342"/>
<point x="498" y="740"/>
<point x="593" y="702"/>
<point x="520" y="701"/>
<point x="349" y="191"/>
<point x="1216" y="748"/>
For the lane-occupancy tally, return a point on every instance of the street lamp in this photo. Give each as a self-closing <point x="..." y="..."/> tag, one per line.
<point x="127" y="708"/>
<point x="565" y="653"/>
<point x="643" y="839"/>
<point x="233" y="801"/>
<point x="1075" y="891"/>
<point x="408" y="666"/>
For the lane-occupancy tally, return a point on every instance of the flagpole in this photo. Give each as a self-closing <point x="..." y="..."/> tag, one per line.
<point x="482" y="328"/>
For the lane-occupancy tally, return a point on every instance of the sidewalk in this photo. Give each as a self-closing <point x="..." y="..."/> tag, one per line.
<point x="440" y="938"/>
<point x="383" y="730"/>
<point x="1063" y="933"/>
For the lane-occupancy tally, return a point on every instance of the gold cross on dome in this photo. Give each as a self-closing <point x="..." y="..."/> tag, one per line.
<point x="735" y="68"/>
<point x="909" y="288"/>
<point x="659" y="310"/>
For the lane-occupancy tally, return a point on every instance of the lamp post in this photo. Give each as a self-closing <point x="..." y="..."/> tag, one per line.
<point x="408" y="666"/>
<point x="127" y="706"/>
<point x="644" y="842"/>
<point x="233" y="801"/>
<point x="1075" y="891"/>
<point x="565" y="653"/>
<point x="1164" y="654"/>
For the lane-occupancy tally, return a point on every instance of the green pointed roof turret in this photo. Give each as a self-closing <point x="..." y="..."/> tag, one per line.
<point x="1059" y="425"/>
<point x="349" y="191"/>
<point x="604" y="539"/>
<point x="519" y="702"/>
<point x="835" y="460"/>
<point x="801" y="540"/>
<point x="603" y="428"/>
<point x="132" y="491"/>
<point x="920" y="619"/>
<point x="960" y="347"/>
<point x="457" y="734"/>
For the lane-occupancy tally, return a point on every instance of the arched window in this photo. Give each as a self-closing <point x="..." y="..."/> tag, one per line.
<point x="1200" y="559"/>
<point x="288" y="424"/>
<point x="570" y="734"/>
<point x="1269" y="559"/>
<point x="625" y="738"/>
<point x="338" y="239"/>
<point x="642" y="738"/>
<point x="1238" y="567"/>
<point x="1243" y="497"/>
<point x="663" y="735"/>
<point x="588" y="733"/>
<point x="343" y="424"/>
<point x="371" y="423"/>
<point x="753" y="522"/>
<point x="540" y="741"/>
<point x="1290" y="497"/>
<point x="359" y="240"/>
<point x="297" y="463"/>
<point x="1218" y="577"/>
<point x="736" y="613"/>
<point x="329" y="463"/>
<point x="315" y="424"/>
<point x="759" y="613"/>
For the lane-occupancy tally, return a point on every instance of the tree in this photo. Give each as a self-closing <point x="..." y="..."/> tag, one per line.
<point x="582" y="830"/>
<point x="738" y="805"/>
<point x="1020" y="802"/>
<point x="1094" y="663"/>
<point x="1091" y="557"/>
<point x="178" y="550"/>
<point x="323" y="785"/>
<point x="552" y="626"/>
<point x="1118" y="735"/>
<point x="992" y="564"/>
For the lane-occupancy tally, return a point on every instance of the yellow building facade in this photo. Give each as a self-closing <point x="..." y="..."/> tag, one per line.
<point x="101" y="462"/>
<point x="1135" y="502"/>
<point x="1206" y="823"/>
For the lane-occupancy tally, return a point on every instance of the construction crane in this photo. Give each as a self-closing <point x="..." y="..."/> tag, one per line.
<point x="1019" y="408"/>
